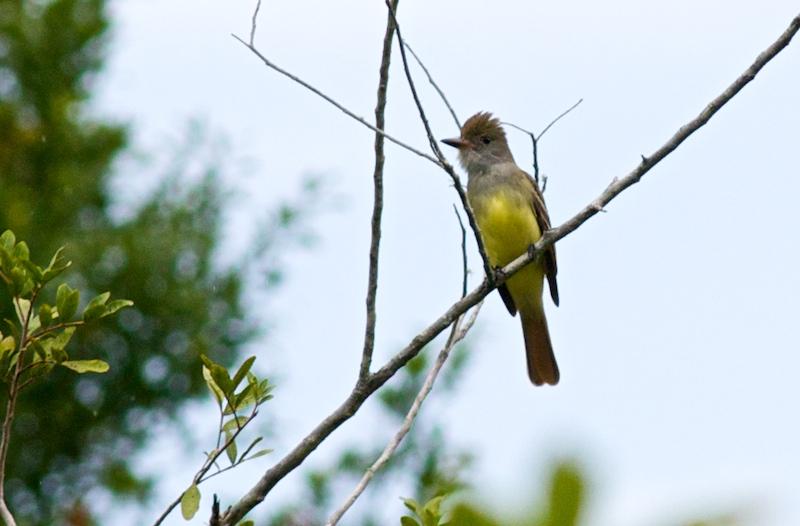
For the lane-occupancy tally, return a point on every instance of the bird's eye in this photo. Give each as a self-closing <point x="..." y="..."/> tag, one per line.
<point x="485" y="140"/>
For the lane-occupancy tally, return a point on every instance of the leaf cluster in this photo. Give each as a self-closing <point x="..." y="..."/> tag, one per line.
<point x="428" y="514"/>
<point x="42" y="328"/>
<point x="238" y="398"/>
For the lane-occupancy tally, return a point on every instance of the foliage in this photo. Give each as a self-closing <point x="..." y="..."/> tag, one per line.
<point x="428" y="514"/>
<point x="38" y="339"/>
<point x="58" y="167"/>
<point x="231" y="402"/>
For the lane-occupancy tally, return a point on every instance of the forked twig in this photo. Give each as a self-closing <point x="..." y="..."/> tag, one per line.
<point x="535" y="140"/>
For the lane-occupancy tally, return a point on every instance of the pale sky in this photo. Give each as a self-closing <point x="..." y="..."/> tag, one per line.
<point x="677" y="331"/>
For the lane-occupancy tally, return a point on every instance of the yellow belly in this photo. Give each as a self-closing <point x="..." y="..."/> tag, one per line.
<point x="508" y="227"/>
<point x="507" y="224"/>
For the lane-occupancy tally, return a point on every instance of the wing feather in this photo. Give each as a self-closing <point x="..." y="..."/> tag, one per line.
<point x="543" y="220"/>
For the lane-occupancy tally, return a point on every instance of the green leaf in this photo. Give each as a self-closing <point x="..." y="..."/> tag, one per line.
<point x="264" y="390"/>
<point x="7" y="240"/>
<point x="46" y="315"/>
<point x="12" y="327"/>
<point x="6" y="263"/>
<point x="58" y="264"/>
<point x="241" y="400"/>
<point x="242" y="372"/>
<point x="259" y="453"/>
<point x="405" y="520"/>
<point x="433" y="506"/>
<point x="212" y="385"/>
<point x="566" y="494"/>
<point x="466" y="514"/>
<point x="34" y="324"/>
<point x="67" y="300"/>
<point x="21" y="251"/>
<point x="7" y="344"/>
<point x="96" y="307"/>
<point x="413" y="506"/>
<point x="190" y="502"/>
<point x="63" y="338"/>
<point x="231" y="450"/>
<point x="22" y="306"/>
<point x="220" y="376"/>
<point x="39" y="351"/>
<point x="34" y="269"/>
<point x="21" y="282"/>
<point x="429" y="514"/>
<point x="246" y="523"/>
<point x="86" y="366"/>
<point x="114" y="306"/>
<point x="51" y="346"/>
<point x="231" y="425"/>
<point x="58" y="259"/>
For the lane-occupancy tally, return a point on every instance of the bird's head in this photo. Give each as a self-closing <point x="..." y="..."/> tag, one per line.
<point x="482" y="143"/>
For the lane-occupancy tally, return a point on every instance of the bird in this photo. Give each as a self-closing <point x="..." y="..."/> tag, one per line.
<point x="511" y="215"/>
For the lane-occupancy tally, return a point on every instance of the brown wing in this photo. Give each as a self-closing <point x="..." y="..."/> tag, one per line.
<point x="543" y="220"/>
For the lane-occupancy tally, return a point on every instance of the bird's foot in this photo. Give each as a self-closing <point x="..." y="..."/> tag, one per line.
<point x="499" y="275"/>
<point x="532" y="252"/>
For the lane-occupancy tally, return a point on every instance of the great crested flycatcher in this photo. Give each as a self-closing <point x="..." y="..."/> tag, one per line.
<point x="511" y="216"/>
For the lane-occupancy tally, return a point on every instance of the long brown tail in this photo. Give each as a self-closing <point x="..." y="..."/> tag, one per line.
<point x="542" y="367"/>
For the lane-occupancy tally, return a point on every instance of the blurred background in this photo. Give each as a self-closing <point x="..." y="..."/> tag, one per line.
<point x="233" y="208"/>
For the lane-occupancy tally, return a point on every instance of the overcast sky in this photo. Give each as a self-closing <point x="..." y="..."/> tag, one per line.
<point x="677" y="335"/>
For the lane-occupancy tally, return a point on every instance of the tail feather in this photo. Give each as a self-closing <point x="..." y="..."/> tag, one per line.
<point x="542" y="367"/>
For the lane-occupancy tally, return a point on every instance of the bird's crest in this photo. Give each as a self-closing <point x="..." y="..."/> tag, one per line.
<point x="482" y="124"/>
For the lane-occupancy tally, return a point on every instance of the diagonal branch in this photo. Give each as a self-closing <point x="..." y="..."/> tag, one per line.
<point x="458" y="333"/>
<point x="267" y="62"/>
<point x="356" y="398"/>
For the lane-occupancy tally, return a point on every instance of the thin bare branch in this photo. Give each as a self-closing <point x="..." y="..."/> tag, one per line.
<point x="535" y="141"/>
<point x="267" y="62"/>
<point x="357" y="397"/>
<point x="464" y="259"/>
<point x="435" y="85"/>
<point x="14" y="388"/>
<point x="456" y="336"/>
<point x="377" y="200"/>
<point x="253" y="24"/>
<point x="434" y="144"/>
<point x="561" y="116"/>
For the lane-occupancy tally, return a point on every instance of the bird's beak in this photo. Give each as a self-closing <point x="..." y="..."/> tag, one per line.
<point x="456" y="143"/>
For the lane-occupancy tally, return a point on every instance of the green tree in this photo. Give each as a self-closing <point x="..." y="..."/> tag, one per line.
<point x="56" y="164"/>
